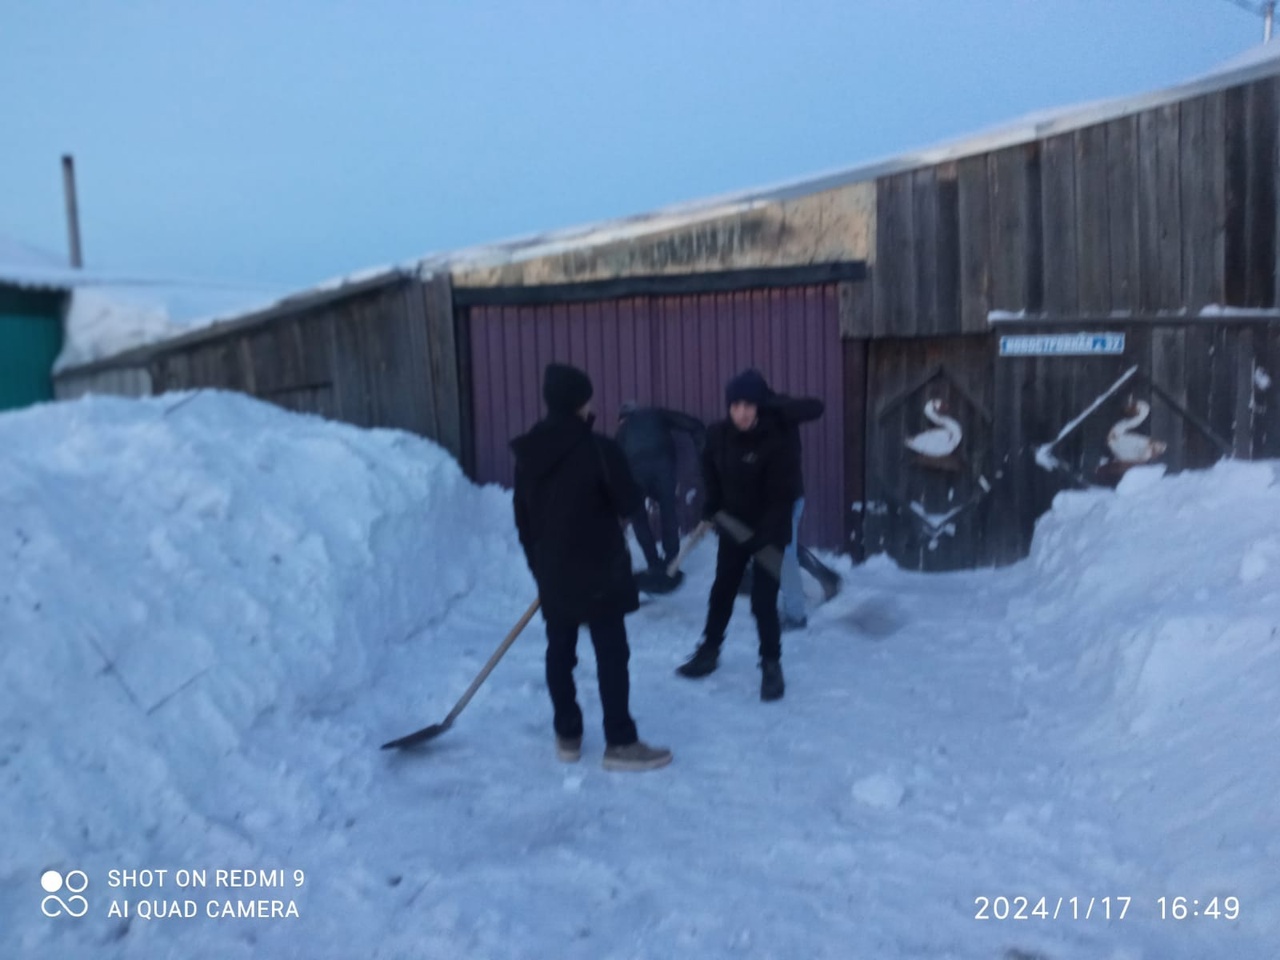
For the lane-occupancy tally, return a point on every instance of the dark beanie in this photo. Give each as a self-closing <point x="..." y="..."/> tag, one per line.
<point x="749" y="385"/>
<point x="565" y="389"/>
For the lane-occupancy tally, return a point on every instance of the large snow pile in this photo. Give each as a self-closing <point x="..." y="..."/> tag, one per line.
<point x="212" y="612"/>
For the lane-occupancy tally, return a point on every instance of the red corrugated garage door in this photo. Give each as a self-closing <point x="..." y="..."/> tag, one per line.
<point x="672" y="351"/>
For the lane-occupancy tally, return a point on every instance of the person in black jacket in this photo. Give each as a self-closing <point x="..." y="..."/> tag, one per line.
<point x="646" y="435"/>
<point x="572" y="490"/>
<point x="751" y="472"/>
<point x="790" y="412"/>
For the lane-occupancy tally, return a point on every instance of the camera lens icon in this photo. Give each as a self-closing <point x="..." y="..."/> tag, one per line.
<point x="75" y="883"/>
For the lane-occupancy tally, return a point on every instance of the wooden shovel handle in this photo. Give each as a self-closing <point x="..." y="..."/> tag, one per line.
<point x="698" y="533"/>
<point x="493" y="661"/>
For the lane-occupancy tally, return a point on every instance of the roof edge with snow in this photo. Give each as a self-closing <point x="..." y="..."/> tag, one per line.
<point x="1255" y="64"/>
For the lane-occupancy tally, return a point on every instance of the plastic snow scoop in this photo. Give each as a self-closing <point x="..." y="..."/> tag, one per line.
<point x="433" y="731"/>
<point x="768" y="556"/>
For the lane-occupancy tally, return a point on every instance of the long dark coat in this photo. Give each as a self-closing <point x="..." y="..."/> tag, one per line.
<point x="572" y="489"/>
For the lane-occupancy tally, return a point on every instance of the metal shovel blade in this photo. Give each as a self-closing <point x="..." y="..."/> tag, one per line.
<point x="417" y="737"/>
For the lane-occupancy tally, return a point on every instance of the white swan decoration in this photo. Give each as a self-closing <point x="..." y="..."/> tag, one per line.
<point x="938" y="443"/>
<point x="1134" y="448"/>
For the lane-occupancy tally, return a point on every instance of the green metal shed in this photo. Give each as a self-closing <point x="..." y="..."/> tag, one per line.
<point x="30" y="339"/>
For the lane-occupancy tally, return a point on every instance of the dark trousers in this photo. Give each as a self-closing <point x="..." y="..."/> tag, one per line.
<point x="731" y="564"/>
<point x="657" y="480"/>
<point x="609" y="637"/>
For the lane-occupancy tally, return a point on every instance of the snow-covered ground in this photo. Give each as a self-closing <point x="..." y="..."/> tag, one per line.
<point x="212" y="613"/>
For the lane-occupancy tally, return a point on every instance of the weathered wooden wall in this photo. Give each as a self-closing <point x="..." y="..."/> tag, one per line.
<point x="383" y="357"/>
<point x="113" y="381"/>
<point x="930" y="516"/>
<point x="1154" y="215"/>
<point x="1034" y="426"/>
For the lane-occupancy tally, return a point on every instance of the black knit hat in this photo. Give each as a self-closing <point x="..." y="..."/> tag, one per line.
<point x="565" y="389"/>
<point x="749" y="386"/>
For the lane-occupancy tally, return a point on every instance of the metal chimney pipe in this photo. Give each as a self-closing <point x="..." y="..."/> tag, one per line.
<point x="1269" y="12"/>
<point x="73" y="209"/>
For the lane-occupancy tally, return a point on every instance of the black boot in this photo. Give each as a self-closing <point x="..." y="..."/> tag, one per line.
<point x="772" y="685"/>
<point x="703" y="661"/>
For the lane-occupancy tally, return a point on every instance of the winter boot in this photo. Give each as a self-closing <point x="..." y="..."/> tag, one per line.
<point x="655" y="580"/>
<point x="636" y="756"/>
<point x="772" y="685"/>
<point x="568" y="749"/>
<point x="704" y="661"/>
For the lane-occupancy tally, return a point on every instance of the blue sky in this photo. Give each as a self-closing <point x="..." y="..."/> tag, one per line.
<point x="287" y="142"/>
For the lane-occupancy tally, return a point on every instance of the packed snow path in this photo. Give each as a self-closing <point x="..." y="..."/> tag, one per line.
<point x="214" y="613"/>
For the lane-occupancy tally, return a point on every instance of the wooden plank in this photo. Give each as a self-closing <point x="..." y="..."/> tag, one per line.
<point x="855" y="447"/>
<point x="1201" y="148"/>
<point x="894" y="298"/>
<point x="1123" y="212"/>
<point x="1093" y="237"/>
<point x="848" y="314"/>
<point x="1059" y="219"/>
<point x="1169" y="374"/>
<point x="350" y="385"/>
<point x="443" y="360"/>
<point x="974" y="242"/>
<point x="466" y="395"/>
<point x="1010" y="172"/>
<point x="1242" y="440"/>
<point x="1160" y="241"/>
<point x="1223" y="387"/>
<point x="426" y="418"/>
<point x="397" y="378"/>
<point x="1260" y="207"/>
<point x="1235" y="195"/>
<point x="948" y="251"/>
<point x="857" y="310"/>
<point x="244" y="359"/>
<point x="924" y="253"/>
<point x="1266" y="399"/>
<point x="1170" y="209"/>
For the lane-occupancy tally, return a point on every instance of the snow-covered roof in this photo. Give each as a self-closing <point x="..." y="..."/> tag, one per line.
<point x="112" y="312"/>
<point x="1254" y="64"/>
<point x="22" y="265"/>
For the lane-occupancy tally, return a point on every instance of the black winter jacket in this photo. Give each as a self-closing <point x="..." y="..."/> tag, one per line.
<point x="572" y="486"/>
<point x="646" y="436"/>
<point x="790" y="412"/>
<point x="754" y="476"/>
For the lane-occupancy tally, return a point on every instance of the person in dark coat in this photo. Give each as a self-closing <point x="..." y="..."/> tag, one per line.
<point x="572" y="490"/>
<point x="646" y="435"/>
<point x="790" y="413"/>
<point x="751" y="472"/>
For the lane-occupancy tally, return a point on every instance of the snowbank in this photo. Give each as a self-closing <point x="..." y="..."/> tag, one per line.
<point x="213" y="612"/>
<point x="192" y="584"/>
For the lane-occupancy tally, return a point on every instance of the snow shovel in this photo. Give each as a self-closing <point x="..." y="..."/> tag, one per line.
<point x="433" y="731"/>
<point x="651" y="581"/>
<point x="769" y="557"/>
<point x="699" y="532"/>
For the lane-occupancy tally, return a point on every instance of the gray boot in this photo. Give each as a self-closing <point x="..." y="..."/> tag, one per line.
<point x="636" y="756"/>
